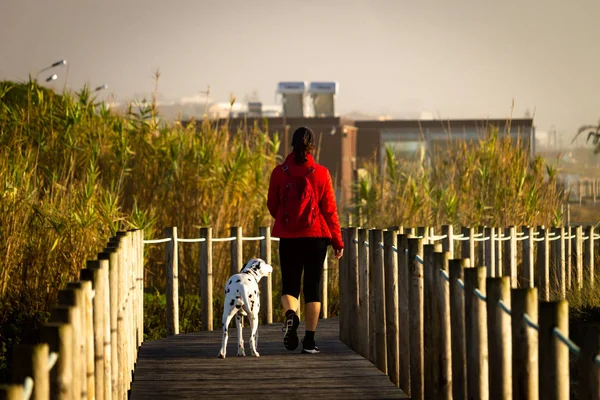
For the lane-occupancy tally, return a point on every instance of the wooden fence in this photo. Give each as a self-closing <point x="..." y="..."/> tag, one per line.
<point x="89" y="346"/>
<point x="238" y="260"/>
<point x="457" y="316"/>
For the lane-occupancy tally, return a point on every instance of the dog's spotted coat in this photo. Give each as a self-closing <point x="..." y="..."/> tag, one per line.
<point x="241" y="298"/>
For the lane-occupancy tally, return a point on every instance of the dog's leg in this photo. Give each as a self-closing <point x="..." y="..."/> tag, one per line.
<point x="238" y="322"/>
<point x="226" y="320"/>
<point x="253" y="337"/>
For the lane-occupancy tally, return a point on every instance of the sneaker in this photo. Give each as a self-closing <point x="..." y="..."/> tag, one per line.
<point x="309" y="347"/>
<point x="290" y="337"/>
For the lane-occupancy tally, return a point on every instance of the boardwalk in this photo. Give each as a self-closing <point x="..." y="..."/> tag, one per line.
<point x="186" y="366"/>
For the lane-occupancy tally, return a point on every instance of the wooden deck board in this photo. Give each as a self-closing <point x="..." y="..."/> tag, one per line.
<point x="186" y="367"/>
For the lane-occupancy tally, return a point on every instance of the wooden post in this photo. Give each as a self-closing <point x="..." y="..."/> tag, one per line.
<point x="481" y="247"/>
<point x="443" y="342"/>
<point x="430" y="316"/>
<point x="121" y="336"/>
<point x="588" y="255"/>
<point x="528" y="260"/>
<point x="498" y="244"/>
<point x="569" y="256"/>
<point x="467" y="247"/>
<point x="476" y="334"/>
<point x="524" y="302"/>
<point x="237" y="250"/>
<point x="353" y="274"/>
<point x="93" y="274"/>
<point x="403" y="311"/>
<point x="266" y="284"/>
<point x="558" y="276"/>
<point x="490" y="252"/>
<point x="324" y="283"/>
<point x="377" y="294"/>
<point x="172" y="274"/>
<point x="391" y="305"/>
<point x="363" y="293"/>
<point x="457" y="329"/>
<point x="71" y="300"/>
<point x="206" y="279"/>
<point x="499" y="338"/>
<point x="417" y="379"/>
<point x="11" y="392"/>
<point x="554" y="355"/>
<point x="109" y="259"/>
<point x="448" y="241"/>
<point x="59" y="337"/>
<point x="578" y="257"/>
<point x="509" y="261"/>
<point x="543" y="264"/>
<point x="343" y="276"/>
<point x="87" y="337"/>
<point x="32" y="361"/>
<point x="140" y="255"/>
<point x="589" y="375"/>
<point x="423" y="231"/>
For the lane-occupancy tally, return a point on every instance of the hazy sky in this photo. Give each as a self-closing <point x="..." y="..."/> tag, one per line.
<point x="454" y="58"/>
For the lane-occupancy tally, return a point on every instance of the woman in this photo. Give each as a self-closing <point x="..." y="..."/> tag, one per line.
<point x="302" y="201"/>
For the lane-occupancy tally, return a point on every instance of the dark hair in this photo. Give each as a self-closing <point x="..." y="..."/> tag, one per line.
<point x="303" y="143"/>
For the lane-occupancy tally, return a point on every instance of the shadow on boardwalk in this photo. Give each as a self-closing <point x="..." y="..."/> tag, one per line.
<point x="186" y="366"/>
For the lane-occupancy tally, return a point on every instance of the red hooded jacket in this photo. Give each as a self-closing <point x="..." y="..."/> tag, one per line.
<point x="327" y="225"/>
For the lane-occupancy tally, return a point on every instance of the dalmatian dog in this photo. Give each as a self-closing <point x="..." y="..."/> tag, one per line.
<point x="242" y="299"/>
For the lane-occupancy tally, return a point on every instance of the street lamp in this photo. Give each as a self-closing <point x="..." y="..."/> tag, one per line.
<point x="101" y="87"/>
<point x="54" y="65"/>
<point x="52" y="77"/>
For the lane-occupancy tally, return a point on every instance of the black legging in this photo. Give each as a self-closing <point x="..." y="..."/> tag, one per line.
<point x="296" y="255"/>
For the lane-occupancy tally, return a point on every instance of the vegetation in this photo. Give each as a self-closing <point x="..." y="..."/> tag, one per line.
<point x="492" y="182"/>
<point x="593" y="134"/>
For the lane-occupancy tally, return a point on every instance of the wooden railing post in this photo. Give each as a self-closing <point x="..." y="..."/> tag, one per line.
<point x="443" y="378"/>
<point x="83" y="291"/>
<point x="588" y="255"/>
<point x="467" y="247"/>
<point x="237" y="250"/>
<point x="558" y="274"/>
<point x="110" y="258"/>
<point x="509" y="261"/>
<point x="70" y="311"/>
<point x="343" y="277"/>
<point x="206" y="279"/>
<point x="403" y="311"/>
<point x="93" y="274"/>
<point x="528" y="279"/>
<point x="266" y="284"/>
<point x="353" y="287"/>
<point x="324" y="282"/>
<point x="578" y="258"/>
<point x="543" y="264"/>
<point x="391" y="305"/>
<point x="457" y="315"/>
<point x="525" y="349"/>
<point x="430" y="315"/>
<point x="476" y="334"/>
<point x="417" y="379"/>
<point x="498" y="252"/>
<point x="59" y="337"/>
<point x="172" y="273"/>
<point x="32" y="361"/>
<point x="363" y="294"/>
<point x="499" y="338"/>
<point x="490" y="251"/>
<point x="448" y="241"/>
<point x="589" y="383"/>
<point x="377" y="303"/>
<point x="554" y="355"/>
<point x="140" y="269"/>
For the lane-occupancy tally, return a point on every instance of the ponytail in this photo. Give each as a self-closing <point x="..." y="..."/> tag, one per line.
<point x="303" y="143"/>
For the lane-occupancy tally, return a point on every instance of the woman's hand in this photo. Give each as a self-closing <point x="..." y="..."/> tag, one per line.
<point x="339" y="253"/>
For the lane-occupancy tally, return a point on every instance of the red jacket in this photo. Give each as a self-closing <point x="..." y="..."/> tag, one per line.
<point x="327" y="225"/>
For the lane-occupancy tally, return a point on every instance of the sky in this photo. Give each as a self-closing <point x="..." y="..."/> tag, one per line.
<point x="456" y="59"/>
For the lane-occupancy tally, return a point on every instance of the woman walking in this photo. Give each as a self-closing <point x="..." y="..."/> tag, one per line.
<point x="302" y="201"/>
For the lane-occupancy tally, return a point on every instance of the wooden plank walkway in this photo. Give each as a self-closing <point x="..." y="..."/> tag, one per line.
<point x="186" y="367"/>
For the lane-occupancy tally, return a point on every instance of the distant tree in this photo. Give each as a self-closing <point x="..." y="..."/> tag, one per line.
<point x="593" y="134"/>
